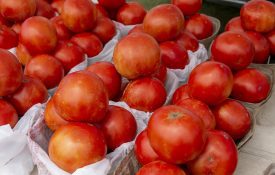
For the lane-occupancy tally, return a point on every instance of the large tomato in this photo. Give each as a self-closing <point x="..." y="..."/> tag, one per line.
<point x="38" y="35"/>
<point x="10" y="72"/>
<point x="181" y="93"/>
<point x="105" y="29"/>
<point x="8" y="38"/>
<point x="233" y="118"/>
<point x="258" y="15"/>
<point x="154" y="89"/>
<point x="137" y="55"/>
<point x="234" y="25"/>
<point x="211" y="82"/>
<point x="63" y="33"/>
<point x="233" y="49"/>
<point x="111" y="78"/>
<point x="76" y="145"/>
<point x="58" y="5"/>
<point x="110" y="4"/>
<point x="22" y="53"/>
<point x="82" y="97"/>
<point x="164" y="22"/>
<point x="188" y="41"/>
<point x="131" y="13"/>
<point x="44" y="9"/>
<point x="250" y="85"/>
<point x="172" y="129"/>
<point x="220" y="155"/>
<point x="188" y="7"/>
<point x="271" y="38"/>
<point x="8" y="114"/>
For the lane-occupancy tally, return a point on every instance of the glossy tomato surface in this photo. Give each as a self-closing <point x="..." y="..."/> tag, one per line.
<point x="8" y="114"/>
<point x="63" y="33"/>
<point x="188" y="41"/>
<point x="234" y="25"/>
<point x="161" y="73"/>
<point x="8" y="38"/>
<point x="44" y="9"/>
<point x="105" y="29"/>
<point x="180" y="93"/>
<point x="188" y="7"/>
<point x="22" y="53"/>
<point x="131" y="13"/>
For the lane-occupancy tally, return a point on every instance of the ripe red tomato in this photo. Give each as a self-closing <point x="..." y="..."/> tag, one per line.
<point x="101" y="12"/>
<point x="153" y="88"/>
<point x="105" y="29"/>
<point x="188" y="7"/>
<point x="111" y="4"/>
<point x="233" y="49"/>
<point x="11" y="73"/>
<point x="220" y="155"/>
<point x="258" y="15"/>
<point x="119" y="126"/>
<point x="137" y="28"/>
<point x="8" y="38"/>
<point x="173" y="55"/>
<point x="38" y="35"/>
<point x="261" y="46"/>
<point x="81" y="97"/>
<point x="76" y="145"/>
<point x="143" y="149"/>
<point x="181" y="93"/>
<point x="57" y="5"/>
<point x="210" y="82"/>
<point x="8" y="114"/>
<point x="31" y="92"/>
<point x="16" y="27"/>
<point x="200" y="26"/>
<point x="69" y="55"/>
<point x="63" y="33"/>
<point x="17" y="10"/>
<point x="4" y="21"/>
<point x="45" y="68"/>
<point x="271" y="38"/>
<point x="186" y="129"/>
<point x="52" y="118"/>
<point x="22" y="53"/>
<point x="250" y="85"/>
<point x="44" y="9"/>
<point x="137" y="55"/>
<point x="233" y="118"/>
<point x="188" y="41"/>
<point x="161" y="73"/>
<point x="79" y="15"/>
<point x="131" y="13"/>
<point x="234" y="25"/>
<point x="164" y="22"/>
<point x="160" y="168"/>
<point x="200" y="109"/>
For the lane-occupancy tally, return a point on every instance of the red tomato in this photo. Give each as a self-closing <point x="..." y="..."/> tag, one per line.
<point x="52" y="118"/>
<point x="137" y="55"/>
<point x="131" y="13"/>
<point x="38" y="35"/>
<point x="172" y="129"/>
<point x="44" y="9"/>
<point x="258" y="15"/>
<point x="271" y="38"/>
<point x="119" y="126"/>
<point x="11" y="73"/>
<point x="22" y="53"/>
<point x="16" y="27"/>
<point x="4" y="21"/>
<point x="200" y="109"/>
<point x="188" y="41"/>
<point x="76" y="145"/>
<point x="234" y="25"/>
<point x="8" y="38"/>
<point x="188" y="7"/>
<point x="164" y="22"/>
<point x="82" y="97"/>
<point x="137" y="28"/>
<point x="31" y="92"/>
<point x="105" y="29"/>
<point x="45" y="68"/>
<point x="79" y="15"/>
<point x="8" y="114"/>
<point x="17" y="10"/>
<point x="161" y="73"/>
<point x="250" y="85"/>
<point x="69" y="55"/>
<point x="220" y="156"/>
<point x="233" y="118"/>
<point x="160" y="168"/>
<point x="58" y="5"/>
<point x="101" y="12"/>
<point x="153" y="88"/>
<point x="173" y="55"/>
<point x="200" y="26"/>
<point x="181" y="93"/>
<point x="63" y="33"/>
<point x="261" y="46"/>
<point x="233" y="49"/>
<point x="143" y="149"/>
<point x="110" y="4"/>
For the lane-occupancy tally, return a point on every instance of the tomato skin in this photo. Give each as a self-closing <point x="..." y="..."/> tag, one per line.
<point x="250" y="85"/>
<point x="271" y="38"/>
<point x="57" y="5"/>
<point x="161" y="73"/>
<point x="105" y="29"/>
<point x="8" y="114"/>
<point x="181" y="93"/>
<point x="111" y="4"/>
<point x="22" y="53"/>
<point x="63" y="33"/>
<point x="44" y="9"/>
<point x="16" y="27"/>
<point x="137" y="28"/>
<point x="8" y="38"/>
<point x="234" y="25"/>
<point x="101" y="11"/>
<point x="188" y="41"/>
<point x="188" y="7"/>
<point x="131" y="13"/>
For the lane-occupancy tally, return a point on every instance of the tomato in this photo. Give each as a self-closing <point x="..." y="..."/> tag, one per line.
<point x="210" y="82"/>
<point x="173" y="55"/>
<point x="188" y="41"/>
<point x="180" y="93"/>
<point x="188" y="7"/>
<point x="17" y="10"/>
<point x="105" y="29"/>
<point x="4" y="21"/>
<point x="38" y="35"/>
<point x="200" y="109"/>
<point x="164" y="22"/>
<point x="136" y="55"/>
<point x="76" y="145"/>
<point x="111" y="4"/>
<point x="220" y="155"/>
<point x="44" y="9"/>
<point x="160" y="168"/>
<point x="8" y="38"/>
<point x="63" y="33"/>
<point x="234" y="25"/>
<point x="143" y="149"/>
<point x="81" y="97"/>
<point x="153" y="88"/>
<point x="250" y="85"/>
<point x="258" y="15"/>
<point x="11" y="73"/>
<point x="271" y="38"/>
<point x="131" y="13"/>
<point x="101" y="12"/>
<point x="137" y="28"/>
<point x="16" y="27"/>
<point x="79" y="15"/>
<point x="45" y="68"/>
<point x="8" y="114"/>
<point x="57" y="5"/>
<point x="233" y="49"/>
<point x="89" y="42"/>
<point x="22" y="53"/>
<point x="161" y="73"/>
